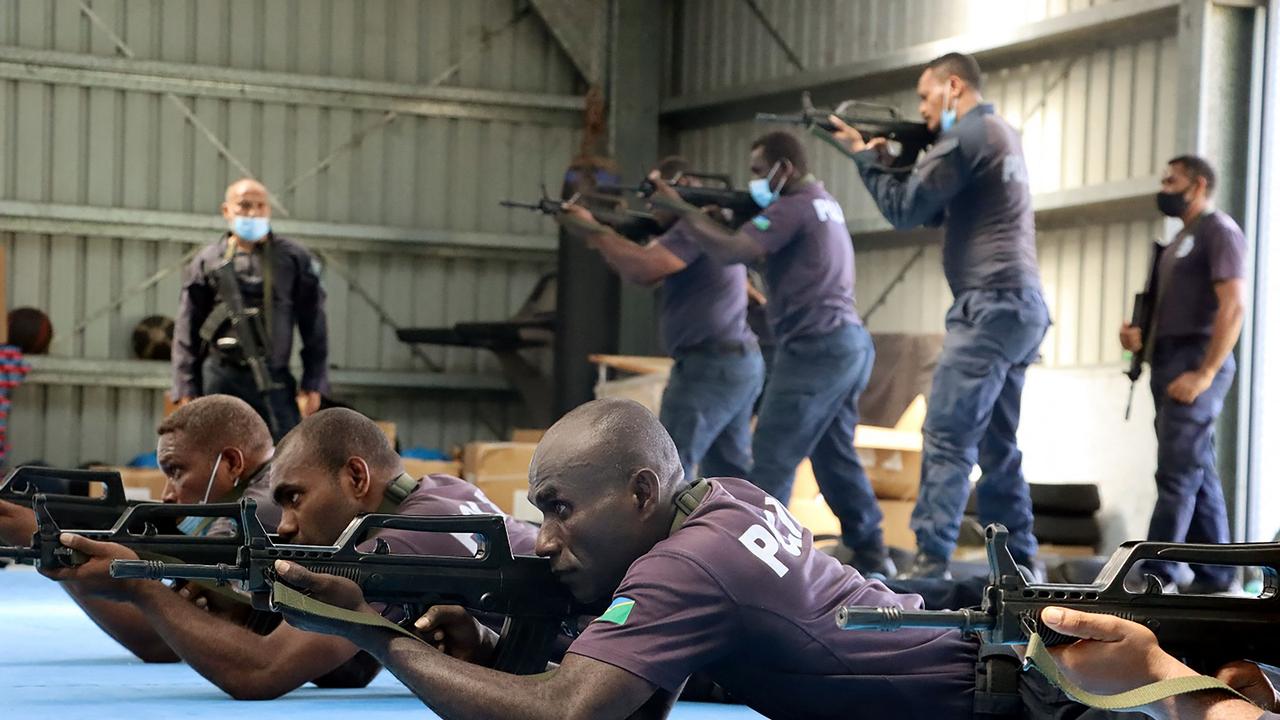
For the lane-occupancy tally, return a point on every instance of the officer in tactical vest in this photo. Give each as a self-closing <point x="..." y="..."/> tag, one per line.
<point x="241" y="345"/>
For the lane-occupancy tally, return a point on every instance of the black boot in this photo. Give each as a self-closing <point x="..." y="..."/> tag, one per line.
<point x="874" y="564"/>
<point x="927" y="566"/>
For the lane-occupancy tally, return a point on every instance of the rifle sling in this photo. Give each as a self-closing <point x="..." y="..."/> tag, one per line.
<point x="1038" y="657"/>
<point x="400" y="487"/>
<point x="688" y="501"/>
<point x="283" y="596"/>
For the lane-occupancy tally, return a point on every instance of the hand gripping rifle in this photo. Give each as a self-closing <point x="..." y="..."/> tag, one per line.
<point x="250" y="331"/>
<point x="521" y="588"/>
<point x="631" y="224"/>
<point x="1204" y="631"/>
<point x="906" y="139"/>
<point x="737" y="202"/>
<point x="22" y="485"/>
<point x="149" y="529"/>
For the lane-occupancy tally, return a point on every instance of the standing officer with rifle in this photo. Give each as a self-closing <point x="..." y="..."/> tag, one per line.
<point x="1198" y="287"/>
<point x="241" y="298"/>
<point x="975" y="179"/>
<point x="718" y="369"/>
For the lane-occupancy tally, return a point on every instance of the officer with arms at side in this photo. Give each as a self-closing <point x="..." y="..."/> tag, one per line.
<point x="334" y="466"/>
<point x="716" y="577"/>
<point x="213" y="449"/>
<point x="823" y="357"/>
<point x="279" y="278"/>
<point x="974" y="179"/>
<point x="718" y="371"/>
<point x="1199" y="309"/>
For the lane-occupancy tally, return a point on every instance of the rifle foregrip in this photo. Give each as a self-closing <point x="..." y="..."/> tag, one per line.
<point x="159" y="570"/>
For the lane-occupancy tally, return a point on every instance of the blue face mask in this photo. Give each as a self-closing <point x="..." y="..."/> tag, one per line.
<point x="761" y="188"/>
<point x="948" y="119"/>
<point x="251" y="229"/>
<point x="192" y="525"/>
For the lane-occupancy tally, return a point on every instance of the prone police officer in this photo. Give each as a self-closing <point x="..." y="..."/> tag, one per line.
<point x="974" y="179"/>
<point x="1199" y="308"/>
<point x="281" y="280"/>
<point x="718" y="370"/>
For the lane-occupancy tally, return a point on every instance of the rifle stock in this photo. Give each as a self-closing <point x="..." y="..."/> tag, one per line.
<point x="1204" y="631"/>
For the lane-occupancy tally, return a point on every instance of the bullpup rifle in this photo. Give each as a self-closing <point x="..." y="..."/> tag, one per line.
<point x="534" y="604"/>
<point x="1204" y="631"/>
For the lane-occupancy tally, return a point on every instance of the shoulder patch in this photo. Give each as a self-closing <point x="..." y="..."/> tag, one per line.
<point x="618" y="612"/>
<point x="761" y="222"/>
<point x="315" y="267"/>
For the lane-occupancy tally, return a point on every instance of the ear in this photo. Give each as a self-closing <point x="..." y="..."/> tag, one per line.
<point x="225" y="209"/>
<point x="233" y="461"/>
<point x="645" y="491"/>
<point x="361" y="480"/>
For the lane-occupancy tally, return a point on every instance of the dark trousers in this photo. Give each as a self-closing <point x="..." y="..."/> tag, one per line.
<point x="706" y="408"/>
<point x="224" y="378"/>
<point x="974" y="407"/>
<point x="810" y="409"/>
<point x="1189" y="502"/>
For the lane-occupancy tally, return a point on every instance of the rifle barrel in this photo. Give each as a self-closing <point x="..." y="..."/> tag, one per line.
<point x="156" y="570"/>
<point x="789" y="119"/>
<point x="887" y="619"/>
<point x="19" y="554"/>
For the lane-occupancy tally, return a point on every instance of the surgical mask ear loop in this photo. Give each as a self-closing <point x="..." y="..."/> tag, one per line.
<point x="209" y="487"/>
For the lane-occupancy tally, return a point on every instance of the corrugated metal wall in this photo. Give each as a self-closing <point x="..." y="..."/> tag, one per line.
<point x="436" y="171"/>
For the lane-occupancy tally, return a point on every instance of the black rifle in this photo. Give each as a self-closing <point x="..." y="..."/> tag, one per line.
<point x="1144" y="308"/>
<point x="739" y="203"/>
<point x="631" y="224"/>
<point x="870" y="119"/>
<point x="1202" y="630"/>
<point x="250" y="331"/>
<point x="22" y="485"/>
<point x="149" y="529"/>
<point x="521" y="588"/>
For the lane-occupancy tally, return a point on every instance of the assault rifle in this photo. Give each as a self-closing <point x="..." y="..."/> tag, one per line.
<point x="521" y="588"/>
<point x="1144" y="308"/>
<point x="250" y="343"/>
<point x="22" y="485"/>
<point x="738" y="202"/>
<point x="149" y="529"/>
<point x="906" y="139"/>
<point x="631" y="224"/>
<point x="1202" y="630"/>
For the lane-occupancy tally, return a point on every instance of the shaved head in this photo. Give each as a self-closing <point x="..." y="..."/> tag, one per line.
<point x="604" y="477"/>
<point x="612" y="439"/>
<point x="243" y="186"/>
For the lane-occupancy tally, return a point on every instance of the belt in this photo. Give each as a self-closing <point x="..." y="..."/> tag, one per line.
<point x="718" y="348"/>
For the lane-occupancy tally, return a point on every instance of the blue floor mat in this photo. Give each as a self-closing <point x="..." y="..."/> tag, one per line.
<point x="56" y="664"/>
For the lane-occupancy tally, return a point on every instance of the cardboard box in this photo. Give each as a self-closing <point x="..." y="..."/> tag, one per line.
<point x="892" y="456"/>
<point x="139" y="483"/>
<point x="388" y="428"/>
<point x="897" y="523"/>
<point x="418" y="468"/>
<point x="809" y="507"/>
<point x="527" y="435"/>
<point x="505" y="459"/>
<point x="511" y="494"/>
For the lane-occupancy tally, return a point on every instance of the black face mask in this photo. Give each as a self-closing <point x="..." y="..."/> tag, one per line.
<point x="1173" y="204"/>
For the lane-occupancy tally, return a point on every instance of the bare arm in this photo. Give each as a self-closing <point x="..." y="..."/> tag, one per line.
<point x="245" y="665"/>
<point x="457" y="690"/>
<point x="1226" y="325"/>
<point x="642" y="265"/>
<point x="126" y="624"/>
